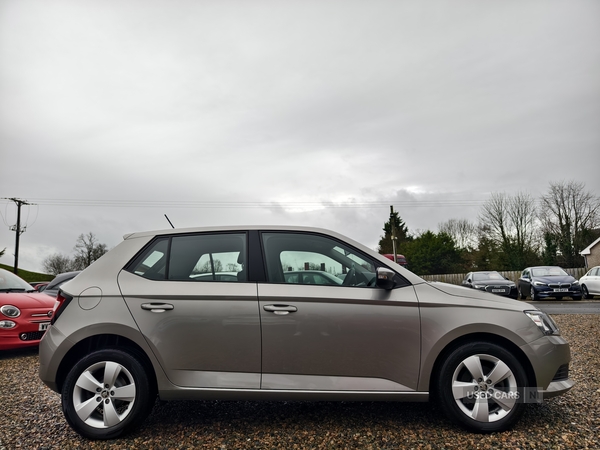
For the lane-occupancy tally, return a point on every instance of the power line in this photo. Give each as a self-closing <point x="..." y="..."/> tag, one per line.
<point x="254" y="204"/>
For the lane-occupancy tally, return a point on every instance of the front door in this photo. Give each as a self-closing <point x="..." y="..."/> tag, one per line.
<point x="350" y="336"/>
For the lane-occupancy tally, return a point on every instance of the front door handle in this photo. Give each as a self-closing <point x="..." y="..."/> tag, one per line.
<point x="280" y="310"/>
<point x="157" y="307"/>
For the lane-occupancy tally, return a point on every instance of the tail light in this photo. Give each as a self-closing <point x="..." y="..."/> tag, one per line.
<point x="62" y="301"/>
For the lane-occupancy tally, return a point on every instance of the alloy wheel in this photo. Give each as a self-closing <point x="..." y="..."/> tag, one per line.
<point x="484" y="388"/>
<point x="104" y="394"/>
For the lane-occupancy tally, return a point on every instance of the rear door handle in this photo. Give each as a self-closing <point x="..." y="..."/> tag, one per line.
<point x="157" y="307"/>
<point x="280" y="310"/>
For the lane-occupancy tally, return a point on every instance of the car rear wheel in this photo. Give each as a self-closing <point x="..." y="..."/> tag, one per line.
<point x="481" y="387"/>
<point x="106" y="394"/>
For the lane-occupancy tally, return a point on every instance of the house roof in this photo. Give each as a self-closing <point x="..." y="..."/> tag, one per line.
<point x="588" y="249"/>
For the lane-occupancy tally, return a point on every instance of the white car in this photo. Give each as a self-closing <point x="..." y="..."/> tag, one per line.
<point x="590" y="283"/>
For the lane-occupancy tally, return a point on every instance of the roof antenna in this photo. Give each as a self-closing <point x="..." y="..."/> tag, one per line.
<point x="169" y="221"/>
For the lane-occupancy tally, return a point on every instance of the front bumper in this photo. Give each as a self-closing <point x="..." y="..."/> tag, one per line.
<point x="557" y="388"/>
<point x="550" y="357"/>
<point x="551" y="293"/>
<point x="502" y="290"/>
<point x="23" y="335"/>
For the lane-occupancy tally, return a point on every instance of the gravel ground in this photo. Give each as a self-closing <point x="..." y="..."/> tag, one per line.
<point x="31" y="417"/>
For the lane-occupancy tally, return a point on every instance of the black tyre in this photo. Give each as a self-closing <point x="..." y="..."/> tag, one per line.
<point x="481" y="387"/>
<point x="106" y="394"/>
<point x="586" y="293"/>
<point x="534" y="296"/>
<point x="521" y="295"/>
<point x="577" y="297"/>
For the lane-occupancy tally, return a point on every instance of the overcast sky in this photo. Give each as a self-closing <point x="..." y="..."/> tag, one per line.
<point x="319" y="113"/>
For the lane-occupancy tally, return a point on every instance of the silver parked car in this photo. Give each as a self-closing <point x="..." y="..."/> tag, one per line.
<point x="152" y="318"/>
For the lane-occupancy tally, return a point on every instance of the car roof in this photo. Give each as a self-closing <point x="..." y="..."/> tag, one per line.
<point x="62" y="276"/>
<point x="169" y="231"/>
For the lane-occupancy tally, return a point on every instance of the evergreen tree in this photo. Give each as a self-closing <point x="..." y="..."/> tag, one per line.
<point x="432" y="254"/>
<point x="402" y="236"/>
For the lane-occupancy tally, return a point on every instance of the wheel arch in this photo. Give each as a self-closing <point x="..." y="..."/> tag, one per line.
<point x="480" y="337"/>
<point x="103" y="342"/>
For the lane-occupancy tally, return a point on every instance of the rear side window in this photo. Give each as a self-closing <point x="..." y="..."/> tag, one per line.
<point x="204" y="257"/>
<point x="152" y="262"/>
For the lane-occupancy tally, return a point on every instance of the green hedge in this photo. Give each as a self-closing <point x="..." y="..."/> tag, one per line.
<point x="29" y="276"/>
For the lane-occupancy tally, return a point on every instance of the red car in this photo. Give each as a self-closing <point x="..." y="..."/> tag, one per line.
<point x="400" y="259"/>
<point x="24" y="313"/>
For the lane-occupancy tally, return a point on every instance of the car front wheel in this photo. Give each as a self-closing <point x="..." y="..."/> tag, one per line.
<point x="586" y="293"/>
<point x="533" y="295"/>
<point x="481" y="387"/>
<point x="106" y="394"/>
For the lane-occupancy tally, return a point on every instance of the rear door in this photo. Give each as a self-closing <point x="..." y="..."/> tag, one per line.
<point x="189" y="297"/>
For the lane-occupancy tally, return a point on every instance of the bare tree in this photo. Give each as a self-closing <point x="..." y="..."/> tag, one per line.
<point x="569" y="214"/>
<point x="463" y="232"/>
<point x="87" y="250"/>
<point x="57" y="263"/>
<point x="510" y="223"/>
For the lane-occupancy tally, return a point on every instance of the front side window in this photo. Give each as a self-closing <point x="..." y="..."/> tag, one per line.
<point x="203" y="257"/>
<point x="302" y="258"/>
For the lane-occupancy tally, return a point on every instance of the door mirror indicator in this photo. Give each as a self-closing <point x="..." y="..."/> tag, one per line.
<point x="385" y="278"/>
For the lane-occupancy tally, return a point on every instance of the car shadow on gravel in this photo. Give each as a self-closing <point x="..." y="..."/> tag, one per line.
<point x="268" y="424"/>
<point x="235" y="424"/>
<point x="292" y="414"/>
<point x="18" y="353"/>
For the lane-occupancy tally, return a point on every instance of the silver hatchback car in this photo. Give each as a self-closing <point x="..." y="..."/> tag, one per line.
<point x="155" y="316"/>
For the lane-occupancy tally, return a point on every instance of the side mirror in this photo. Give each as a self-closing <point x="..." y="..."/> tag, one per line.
<point x="385" y="278"/>
<point x="469" y="280"/>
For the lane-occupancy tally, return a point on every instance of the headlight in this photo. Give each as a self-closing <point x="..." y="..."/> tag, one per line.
<point x="7" y="324"/>
<point x="10" y="311"/>
<point x="575" y="283"/>
<point x="479" y="286"/>
<point x="543" y="322"/>
<point x="539" y="283"/>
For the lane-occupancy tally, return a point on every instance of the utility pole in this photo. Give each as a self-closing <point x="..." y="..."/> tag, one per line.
<point x="393" y="231"/>
<point x="17" y="228"/>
